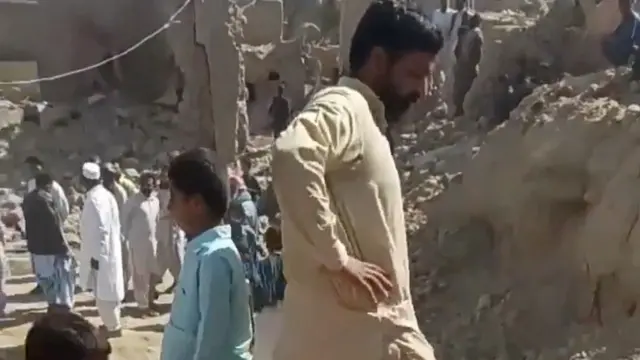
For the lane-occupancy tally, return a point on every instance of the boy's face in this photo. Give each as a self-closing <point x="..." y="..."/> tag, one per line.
<point x="184" y="209"/>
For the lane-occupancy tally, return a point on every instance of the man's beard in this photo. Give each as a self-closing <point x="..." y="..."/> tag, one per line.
<point x="396" y="105"/>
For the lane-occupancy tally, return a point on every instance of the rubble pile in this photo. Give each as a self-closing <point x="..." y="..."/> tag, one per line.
<point x="140" y="135"/>
<point x="543" y="49"/>
<point x="540" y="223"/>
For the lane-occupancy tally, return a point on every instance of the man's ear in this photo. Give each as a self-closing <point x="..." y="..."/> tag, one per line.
<point x="379" y="59"/>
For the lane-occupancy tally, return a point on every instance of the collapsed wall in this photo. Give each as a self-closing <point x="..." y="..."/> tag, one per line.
<point x="213" y="66"/>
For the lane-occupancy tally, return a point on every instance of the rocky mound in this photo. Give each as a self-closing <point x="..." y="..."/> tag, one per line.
<point x="534" y="253"/>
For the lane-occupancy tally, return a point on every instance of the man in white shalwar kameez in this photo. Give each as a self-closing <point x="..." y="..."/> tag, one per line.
<point x="139" y="221"/>
<point x="100" y="252"/>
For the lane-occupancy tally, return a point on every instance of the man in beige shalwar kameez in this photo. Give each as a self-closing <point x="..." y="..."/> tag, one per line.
<point x="139" y="219"/>
<point x="345" y="249"/>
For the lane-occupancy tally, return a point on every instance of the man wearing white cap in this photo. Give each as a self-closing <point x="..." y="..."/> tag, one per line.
<point x="100" y="255"/>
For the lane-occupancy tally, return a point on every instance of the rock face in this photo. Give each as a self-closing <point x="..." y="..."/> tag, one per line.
<point x="542" y="226"/>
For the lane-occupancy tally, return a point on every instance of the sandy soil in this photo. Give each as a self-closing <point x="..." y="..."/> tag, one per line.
<point x="141" y="338"/>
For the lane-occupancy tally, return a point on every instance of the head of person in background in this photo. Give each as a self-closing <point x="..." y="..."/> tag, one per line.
<point x="280" y="90"/>
<point x="65" y="336"/>
<point x="44" y="182"/>
<point x="91" y="175"/>
<point x="393" y="51"/>
<point x="33" y="166"/>
<point x="236" y="185"/>
<point x="147" y="183"/>
<point x="475" y="21"/>
<point x="95" y="159"/>
<point x="163" y="178"/>
<point x="245" y="165"/>
<point x="273" y="239"/>
<point x="198" y="195"/>
<point x="68" y="181"/>
<point x="109" y="175"/>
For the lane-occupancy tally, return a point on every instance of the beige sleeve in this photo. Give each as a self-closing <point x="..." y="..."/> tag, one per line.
<point x="321" y="137"/>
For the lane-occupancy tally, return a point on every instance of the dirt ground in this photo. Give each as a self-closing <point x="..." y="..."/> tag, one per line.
<point x="141" y="339"/>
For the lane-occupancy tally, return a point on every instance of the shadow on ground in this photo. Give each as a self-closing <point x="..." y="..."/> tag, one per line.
<point x="21" y="280"/>
<point x="20" y="317"/>
<point x="149" y="328"/>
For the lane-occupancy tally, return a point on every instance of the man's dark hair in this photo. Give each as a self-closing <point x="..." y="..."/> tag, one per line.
<point x="146" y="175"/>
<point x="395" y="28"/>
<point x="43" y="180"/>
<point x="33" y="160"/>
<point x="475" y="20"/>
<point x="65" y="336"/>
<point x="95" y="159"/>
<point x="193" y="173"/>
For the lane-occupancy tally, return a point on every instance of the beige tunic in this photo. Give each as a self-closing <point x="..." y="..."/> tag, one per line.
<point x="339" y="194"/>
<point x="139" y="221"/>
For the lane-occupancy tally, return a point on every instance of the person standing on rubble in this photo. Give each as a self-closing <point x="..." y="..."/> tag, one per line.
<point x="100" y="252"/>
<point x="468" y="58"/>
<point x="279" y="111"/>
<point x="442" y="18"/>
<point x="459" y="23"/>
<point x="619" y="46"/>
<point x="348" y="295"/>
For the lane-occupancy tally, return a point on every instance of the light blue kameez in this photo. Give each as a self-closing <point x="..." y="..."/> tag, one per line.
<point x="210" y="316"/>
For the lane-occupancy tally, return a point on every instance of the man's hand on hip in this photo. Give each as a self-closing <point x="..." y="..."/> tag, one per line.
<point x="370" y="277"/>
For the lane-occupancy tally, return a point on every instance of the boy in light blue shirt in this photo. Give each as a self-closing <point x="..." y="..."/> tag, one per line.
<point x="210" y="316"/>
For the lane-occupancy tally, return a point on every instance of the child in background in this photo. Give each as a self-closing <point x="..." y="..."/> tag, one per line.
<point x="269" y="320"/>
<point x="271" y="267"/>
<point x="210" y="315"/>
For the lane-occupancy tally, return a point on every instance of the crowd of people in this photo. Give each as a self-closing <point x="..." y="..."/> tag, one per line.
<point x="337" y="234"/>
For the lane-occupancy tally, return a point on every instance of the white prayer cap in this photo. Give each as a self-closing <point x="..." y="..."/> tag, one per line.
<point x="91" y="171"/>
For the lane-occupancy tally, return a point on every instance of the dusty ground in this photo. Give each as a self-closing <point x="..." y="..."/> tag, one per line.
<point x="141" y="338"/>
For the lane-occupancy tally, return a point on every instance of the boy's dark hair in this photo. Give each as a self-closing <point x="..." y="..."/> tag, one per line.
<point x="43" y="180"/>
<point x="193" y="173"/>
<point x="273" y="239"/>
<point x="65" y="336"/>
<point x="395" y="28"/>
